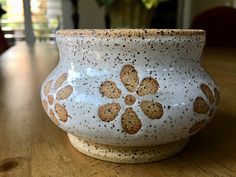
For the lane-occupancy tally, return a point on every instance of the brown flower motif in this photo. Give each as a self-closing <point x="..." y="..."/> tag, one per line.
<point x="61" y="94"/>
<point x="130" y="122"/>
<point x="202" y="106"/>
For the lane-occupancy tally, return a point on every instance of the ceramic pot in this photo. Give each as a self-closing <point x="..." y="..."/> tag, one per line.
<point x="130" y="96"/>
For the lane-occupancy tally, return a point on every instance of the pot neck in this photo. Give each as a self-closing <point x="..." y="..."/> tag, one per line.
<point x="160" y="47"/>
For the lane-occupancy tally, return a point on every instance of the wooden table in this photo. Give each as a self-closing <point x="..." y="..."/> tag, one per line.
<point x="31" y="145"/>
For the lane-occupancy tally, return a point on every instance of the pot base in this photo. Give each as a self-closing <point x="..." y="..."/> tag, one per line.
<point x="122" y="154"/>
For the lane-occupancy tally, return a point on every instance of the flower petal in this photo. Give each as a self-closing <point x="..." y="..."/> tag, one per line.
<point x="61" y="111"/>
<point x="129" y="100"/>
<point x="65" y="92"/>
<point x="110" y="90"/>
<point x="211" y="112"/>
<point x="148" y="86"/>
<point x="200" y="106"/>
<point x="60" y="80"/>
<point x="47" y="87"/>
<point x="153" y="110"/>
<point x="130" y="121"/>
<point x="217" y="96"/>
<point x="109" y="112"/>
<point x="129" y="77"/>
<point x="53" y="117"/>
<point x="197" y="126"/>
<point x="50" y="99"/>
<point x="45" y="105"/>
<point x="207" y="91"/>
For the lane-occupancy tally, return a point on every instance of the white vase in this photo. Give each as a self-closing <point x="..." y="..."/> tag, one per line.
<point x="130" y="95"/>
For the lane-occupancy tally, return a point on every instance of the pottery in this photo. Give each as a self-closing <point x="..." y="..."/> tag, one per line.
<point x="130" y="95"/>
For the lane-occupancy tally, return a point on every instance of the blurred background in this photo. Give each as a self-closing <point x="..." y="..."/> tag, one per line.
<point x="31" y="145"/>
<point x="38" y="20"/>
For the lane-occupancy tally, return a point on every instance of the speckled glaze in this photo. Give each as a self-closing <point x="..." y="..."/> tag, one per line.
<point x="130" y="89"/>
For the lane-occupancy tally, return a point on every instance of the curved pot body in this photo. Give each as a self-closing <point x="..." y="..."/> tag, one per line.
<point x="130" y="87"/>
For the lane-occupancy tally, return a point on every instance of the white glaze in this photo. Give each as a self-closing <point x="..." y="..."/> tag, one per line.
<point x="90" y="59"/>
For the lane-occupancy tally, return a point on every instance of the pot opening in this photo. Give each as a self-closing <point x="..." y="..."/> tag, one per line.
<point x="130" y="32"/>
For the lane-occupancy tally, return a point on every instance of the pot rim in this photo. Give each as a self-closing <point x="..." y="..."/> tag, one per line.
<point x="130" y="32"/>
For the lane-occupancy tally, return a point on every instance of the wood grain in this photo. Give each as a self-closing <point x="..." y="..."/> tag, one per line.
<point x="31" y="145"/>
